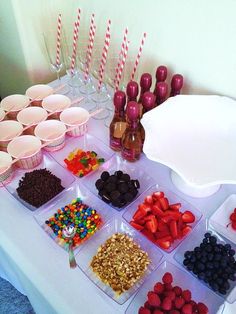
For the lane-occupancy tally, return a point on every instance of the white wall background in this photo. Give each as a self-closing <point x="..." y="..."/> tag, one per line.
<point x="195" y="38"/>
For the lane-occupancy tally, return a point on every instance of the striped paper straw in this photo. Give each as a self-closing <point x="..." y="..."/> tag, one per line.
<point x="138" y="56"/>
<point x="88" y="58"/>
<point x="78" y="22"/>
<point x="122" y="64"/>
<point x="104" y="54"/>
<point x="73" y="57"/>
<point x="123" y="44"/>
<point x="58" y="40"/>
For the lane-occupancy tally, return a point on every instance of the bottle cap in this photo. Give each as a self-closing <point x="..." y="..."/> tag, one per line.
<point x="132" y="110"/>
<point x="119" y="99"/>
<point x="161" y="90"/>
<point x="148" y="101"/>
<point x="177" y="82"/>
<point x="132" y="89"/>
<point x="146" y="81"/>
<point x="161" y="73"/>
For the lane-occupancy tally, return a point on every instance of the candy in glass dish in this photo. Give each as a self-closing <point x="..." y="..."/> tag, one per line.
<point x="194" y="135"/>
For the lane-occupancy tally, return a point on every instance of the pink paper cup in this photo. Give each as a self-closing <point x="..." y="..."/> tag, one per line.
<point x="29" y="144"/>
<point x="8" y="130"/>
<point x="14" y="104"/>
<point x="6" y="170"/>
<point x="77" y="117"/>
<point x="52" y="131"/>
<point x="31" y="116"/>
<point x="56" y="103"/>
<point x="38" y="92"/>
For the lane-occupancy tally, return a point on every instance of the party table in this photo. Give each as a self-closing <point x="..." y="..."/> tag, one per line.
<point x="39" y="268"/>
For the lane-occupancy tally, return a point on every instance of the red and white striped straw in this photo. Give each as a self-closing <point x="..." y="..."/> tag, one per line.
<point x="123" y="44"/>
<point x="73" y="57"/>
<point x="122" y="64"/>
<point x="138" y="56"/>
<point x="104" y="54"/>
<point x="88" y="58"/>
<point x="78" y="22"/>
<point x="58" y="49"/>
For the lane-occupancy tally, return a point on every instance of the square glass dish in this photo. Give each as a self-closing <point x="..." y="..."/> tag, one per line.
<point x="50" y="164"/>
<point x="193" y="241"/>
<point x="90" y="249"/>
<point x="117" y="163"/>
<point x="182" y="279"/>
<point x="86" y="142"/>
<point x="44" y="214"/>
<point x="173" y="199"/>
<point x="220" y="220"/>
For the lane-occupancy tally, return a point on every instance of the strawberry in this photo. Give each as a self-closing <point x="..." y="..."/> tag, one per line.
<point x="187" y="309"/>
<point x="174" y="215"/>
<point x="180" y="226"/>
<point x="162" y="226"/>
<point x="148" y="234"/>
<point x="233" y="217"/>
<point x="167" y="278"/>
<point x="187" y="295"/>
<point x="179" y="302"/>
<point x="164" y="203"/>
<point x="158" y="288"/>
<point x="153" y="299"/>
<point x="148" y="200"/>
<point x="140" y="222"/>
<point x="175" y="207"/>
<point x="162" y="234"/>
<point x="186" y="230"/>
<point x="167" y="219"/>
<point x="165" y="242"/>
<point x="177" y="290"/>
<point x="202" y="308"/>
<point x="142" y="310"/>
<point x="136" y="226"/>
<point x="157" y="195"/>
<point x="151" y="224"/>
<point x="139" y="214"/>
<point x="166" y="304"/>
<point x="188" y="217"/>
<point x="173" y="229"/>
<point x="156" y="210"/>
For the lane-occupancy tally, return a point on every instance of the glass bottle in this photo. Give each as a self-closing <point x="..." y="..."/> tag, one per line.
<point x="161" y="92"/>
<point x="177" y="83"/>
<point x="131" y="140"/>
<point x="118" y="123"/>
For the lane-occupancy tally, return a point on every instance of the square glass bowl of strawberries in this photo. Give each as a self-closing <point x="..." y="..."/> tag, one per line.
<point x="163" y="217"/>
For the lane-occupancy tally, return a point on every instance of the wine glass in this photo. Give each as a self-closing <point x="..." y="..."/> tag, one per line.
<point x="56" y="66"/>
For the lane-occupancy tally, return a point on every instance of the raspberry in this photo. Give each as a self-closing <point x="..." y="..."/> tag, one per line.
<point x="179" y="302"/>
<point x="168" y="286"/>
<point x="142" y="310"/>
<point x="147" y="306"/>
<point x="177" y="290"/>
<point x="194" y="305"/>
<point x="167" y="278"/>
<point x="158" y="312"/>
<point x="158" y="288"/>
<point x="187" y="309"/>
<point x="170" y="294"/>
<point x="174" y="312"/>
<point x="202" y="308"/>
<point x="166" y="304"/>
<point x="153" y="299"/>
<point x="186" y="294"/>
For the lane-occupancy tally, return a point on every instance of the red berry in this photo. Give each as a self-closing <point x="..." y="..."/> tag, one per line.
<point x="177" y="290"/>
<point x="136" y="225"/>
<point x="142" y="310"/>
<point x="188" y="217"/>
<point x="158" y="194"/>
<point x="148" y="200"/>
<point x="173" y="229"/>
<point x="153" y="299"/>
<point x="187" y="295"/>
<point x="158" y="288"/>
<point x="164" y="243"/>
<point x="147" y="306"/>
<point x="187" y="309"/>
<point x="174" y="312"/>
<point x="167" y="278"/>
<point x="202" y="308"/>
<point x="166" y="304"/>
<point x="179" y="302"/>
<point x="233" y="217"/>
<point x="164" y="203"/>
<point x="157" y="312"/>
<point x="175" y="207"/>
<point x="234" y="225"/>
<point x="186" y="230"/>
<point x="235" y="210"/>
<point x="170" y="294"/>
<point x="168" y="286"/>
<point x="194" y="305"/>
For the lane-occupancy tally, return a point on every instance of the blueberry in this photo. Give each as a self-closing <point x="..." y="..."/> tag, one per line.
<point x="222" y="291"/>
<point x="227" y="247"/>
<point x="193" y="259"/>
<point x="232" y="277"/>
<point x="231" y="252"/>
<point x="190" y="267"/>
<point x="197" y="249"/>
<point x="226" y="285"/>
<point x="213" y="240"/>
<point x="219" y="281"/>
<point x="195" y="271"/>
<point x="214" y="286"/>
<point x="207" y="235"/>
<point x="205" y="241"/>
<point x="188" y="254"/>
<point x="201" y="276"/>
<point x="208" y="248"/>
<point x="209" y="265"/>
<point x="217" y="257"/>
<point x="185" y="262"/>
<point x="200" y="266"/>
<point x="210" y="257"/>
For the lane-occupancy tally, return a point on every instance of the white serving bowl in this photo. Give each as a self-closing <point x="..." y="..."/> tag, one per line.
<point x="195" y="136"/>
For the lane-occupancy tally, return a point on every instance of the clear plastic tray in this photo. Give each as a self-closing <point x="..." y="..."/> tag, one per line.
<point x="86" y="142"/>
<point x="194" y="240"/>
<point x="44" y="213"/>
<point x="220" y="219"/>
<point x="180" y="278"/>
<point x="50" y="164"/>
<point x="89" y="249"/>
<point x="173" y="198"/>
<point x="117" y="163"/>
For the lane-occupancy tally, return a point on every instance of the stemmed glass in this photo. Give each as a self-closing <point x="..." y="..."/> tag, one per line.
<point x="50" y="48"/>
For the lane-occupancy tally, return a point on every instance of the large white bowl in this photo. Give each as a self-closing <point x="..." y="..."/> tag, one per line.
<point x="196" y="137"/>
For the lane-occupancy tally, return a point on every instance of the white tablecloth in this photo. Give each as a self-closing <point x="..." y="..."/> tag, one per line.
<point x="38" y="267"/>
